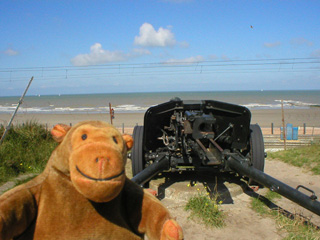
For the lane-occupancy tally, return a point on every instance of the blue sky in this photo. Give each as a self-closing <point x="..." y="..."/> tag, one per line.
<point x="158" y="45"/>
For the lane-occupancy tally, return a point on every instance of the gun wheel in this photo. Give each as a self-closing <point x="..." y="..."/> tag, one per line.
<point x="256" y="149"/>
<point x="137" y="154"/>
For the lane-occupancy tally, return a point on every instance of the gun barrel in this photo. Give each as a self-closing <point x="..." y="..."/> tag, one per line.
<point x="237" y="164"/>
<point x="161" y="163"/>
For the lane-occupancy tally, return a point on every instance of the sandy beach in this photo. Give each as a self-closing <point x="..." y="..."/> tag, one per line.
<point x="297" y="117"/>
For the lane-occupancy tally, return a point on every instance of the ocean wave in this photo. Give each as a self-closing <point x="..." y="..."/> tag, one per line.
<point x="278" y="105"/>
<point x="262" y="106"/>
<point x="57" y="110"/>
<point x="132" y="108"/>
<point x="297" y="103"/>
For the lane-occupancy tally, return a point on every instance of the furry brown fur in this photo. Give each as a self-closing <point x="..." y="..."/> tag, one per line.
<point x="83" y="193"/>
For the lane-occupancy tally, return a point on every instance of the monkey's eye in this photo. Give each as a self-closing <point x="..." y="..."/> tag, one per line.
<point x="115" y="140"/>
<point x="84" y="136"/>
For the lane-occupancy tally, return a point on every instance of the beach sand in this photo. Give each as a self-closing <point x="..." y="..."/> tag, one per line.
<point x="297" y="117"/>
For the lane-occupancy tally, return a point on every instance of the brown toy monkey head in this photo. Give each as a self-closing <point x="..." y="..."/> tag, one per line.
<point x="95" y="154"/>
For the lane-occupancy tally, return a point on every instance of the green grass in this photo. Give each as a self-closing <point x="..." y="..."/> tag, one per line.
<point x="207" y="210"/>
<point x="304" y="157"/>
<point x="25" y="149"/>
<point x="259" y="204"/>
<point x="297" y="228"/>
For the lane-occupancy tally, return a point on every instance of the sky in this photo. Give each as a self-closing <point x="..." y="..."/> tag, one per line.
<point x="79" y="47"/>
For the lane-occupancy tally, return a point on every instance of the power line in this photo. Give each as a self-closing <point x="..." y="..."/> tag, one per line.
<point x="167" y="64"/>
<point x="142" y="69"/>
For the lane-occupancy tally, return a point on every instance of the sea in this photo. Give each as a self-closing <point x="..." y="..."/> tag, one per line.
<point x="139" y="102"/>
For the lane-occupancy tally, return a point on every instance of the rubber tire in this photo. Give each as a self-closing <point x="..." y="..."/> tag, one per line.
<point x="256" y="149"/>
<point x="137" y="154"/>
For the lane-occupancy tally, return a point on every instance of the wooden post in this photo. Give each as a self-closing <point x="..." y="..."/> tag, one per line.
<point x="272" y="128"/>
<point x="304" y="129"/>
<point x="111" y="111"/>
<point x="283" y="127"/>
<point x="16" y="110"/>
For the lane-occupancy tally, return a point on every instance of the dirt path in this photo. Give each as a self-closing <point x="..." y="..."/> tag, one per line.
<point x="8" y="185"/>
<point x="242" y="222"/>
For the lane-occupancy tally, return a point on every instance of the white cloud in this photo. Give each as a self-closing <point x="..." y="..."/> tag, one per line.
<point x="301" y="41"/>
<point x="189" y="60"/>
<point x="272" y="44"/>
<point x="98" y="55"/>
<point x="11" y="52"/>
<point x="149" y="37"/>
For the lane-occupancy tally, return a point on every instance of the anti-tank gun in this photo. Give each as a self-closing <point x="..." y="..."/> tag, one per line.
<point x="205" y="135"/>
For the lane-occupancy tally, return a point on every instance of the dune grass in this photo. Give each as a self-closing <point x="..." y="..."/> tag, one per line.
<point x="304" y="157"/>
<point x="26" y="149"/>
<point x="297" y="228"/>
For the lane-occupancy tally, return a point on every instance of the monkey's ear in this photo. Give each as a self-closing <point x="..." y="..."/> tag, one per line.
<point x="59" y="131"/>
<point x="129" y="141"/>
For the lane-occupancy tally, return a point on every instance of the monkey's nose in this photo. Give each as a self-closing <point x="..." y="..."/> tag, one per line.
<point x="102" y="159"/>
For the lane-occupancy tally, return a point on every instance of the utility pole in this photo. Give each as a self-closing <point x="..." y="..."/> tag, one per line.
<point x="283" y="127"/>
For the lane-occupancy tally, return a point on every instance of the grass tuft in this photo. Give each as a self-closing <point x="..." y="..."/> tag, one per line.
<point x="207" y="210"/>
